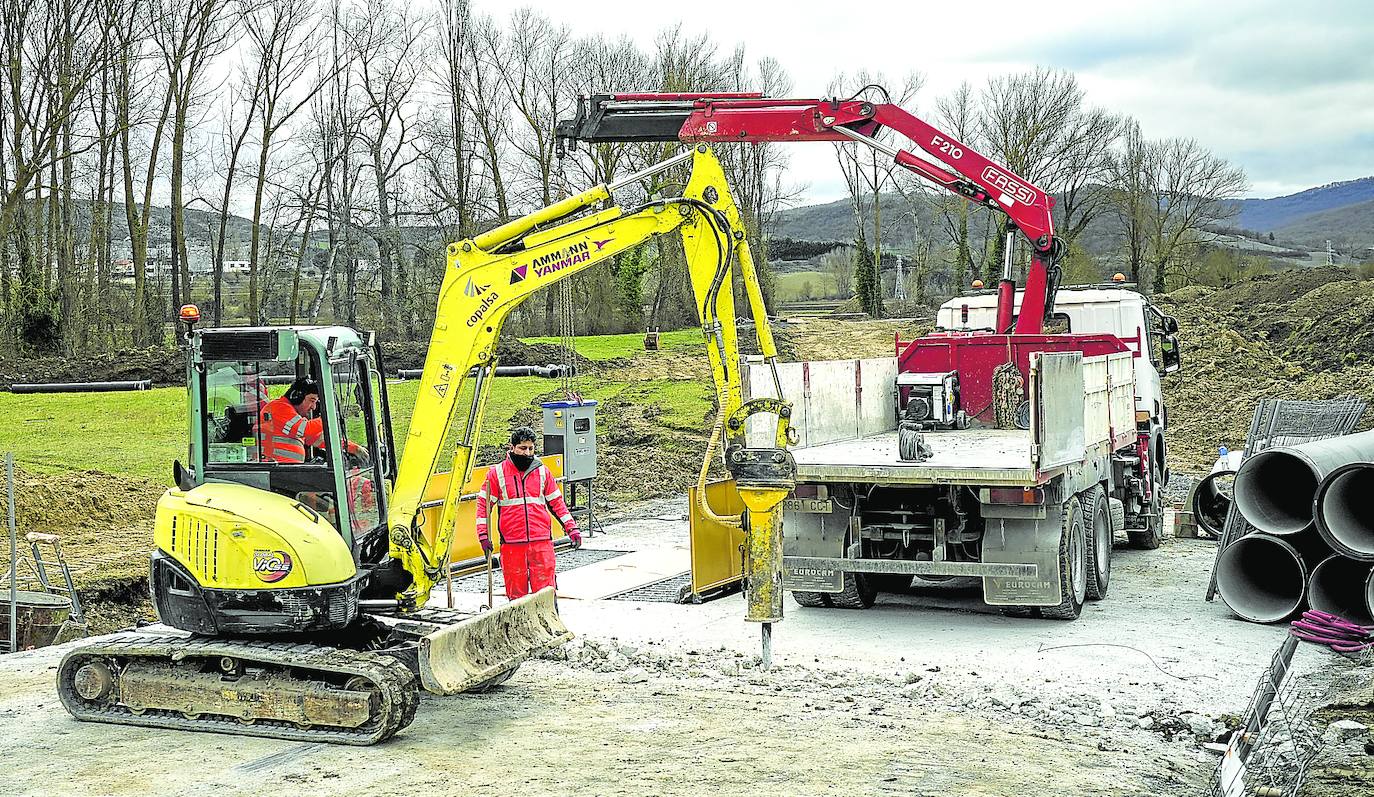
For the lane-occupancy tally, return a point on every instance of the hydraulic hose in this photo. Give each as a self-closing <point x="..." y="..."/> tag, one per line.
<point x="717" y="429"/>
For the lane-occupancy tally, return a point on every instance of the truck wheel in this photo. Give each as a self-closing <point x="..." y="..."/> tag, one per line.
<point x="811" y="600"/>
<point x="1073" y="565"/>
<point x="1099" y="542"/>
<point x="859" y="592"/>
<point x="1150" y="537"/>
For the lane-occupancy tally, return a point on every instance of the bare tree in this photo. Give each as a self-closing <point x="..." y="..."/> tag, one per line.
<point x="1130" y="183"/>
<point x="55" y="51"/>
<point x="143" y="105"/>
<point x="281" y="34"/>
<point x="449" y="154"/>
<point x="386" y="52"/>
<point x="1190" y="192"/>
<point x="867" y="174"/>
<point x="189" y="33"/>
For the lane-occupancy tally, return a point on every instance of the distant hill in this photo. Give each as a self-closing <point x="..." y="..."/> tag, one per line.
<point x="1342" y="213"/>
<point x="1349" y="227"/>
<point x="1264" y="215"/>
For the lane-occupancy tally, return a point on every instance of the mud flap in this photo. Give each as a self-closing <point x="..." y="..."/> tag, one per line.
<point x="815" y="535"/>
<point x="1032" y="541"/>
<point x="479" y="649"/>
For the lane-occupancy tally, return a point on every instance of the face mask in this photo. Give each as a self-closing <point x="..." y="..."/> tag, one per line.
<point x="522" y="461"/>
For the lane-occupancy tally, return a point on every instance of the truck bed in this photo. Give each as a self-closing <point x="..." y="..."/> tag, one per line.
<point x="970" y="456"/>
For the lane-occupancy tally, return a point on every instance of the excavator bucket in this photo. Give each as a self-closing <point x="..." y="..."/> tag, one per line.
<point x="484" y="650"/>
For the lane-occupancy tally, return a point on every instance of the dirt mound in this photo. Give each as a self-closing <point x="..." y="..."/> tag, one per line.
<point x="1300" y="334"/>
<point x="832" y="339"/>
<point x="162" y="366"/>
<point x="105" y="522"/>
<point x="1278" y="288"/>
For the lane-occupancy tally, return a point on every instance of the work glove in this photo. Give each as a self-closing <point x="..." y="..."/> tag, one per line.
<point x="575" y="536"/>
<point x="486" y="544"/>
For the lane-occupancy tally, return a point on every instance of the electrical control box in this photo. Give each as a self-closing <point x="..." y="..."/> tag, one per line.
<point x="570" y="430"/>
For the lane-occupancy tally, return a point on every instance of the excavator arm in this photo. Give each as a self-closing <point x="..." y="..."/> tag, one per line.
<point x="490" y="275"/>
<point x="950" y="163"/>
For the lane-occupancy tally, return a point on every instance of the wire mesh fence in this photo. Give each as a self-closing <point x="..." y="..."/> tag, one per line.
<point x="1273" y="750"/>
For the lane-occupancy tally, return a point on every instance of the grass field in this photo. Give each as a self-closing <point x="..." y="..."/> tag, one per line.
<point x="140" y="433"/>
<point x="791" y="286"/>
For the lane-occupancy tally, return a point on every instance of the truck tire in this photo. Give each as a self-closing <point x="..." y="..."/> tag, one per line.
<point x="1150" y="537"/>
<point x="811" y="600"/>
<point x="1099" y="528"/>
<point x="858" y="593"/>
<point x="1073" y="564"/>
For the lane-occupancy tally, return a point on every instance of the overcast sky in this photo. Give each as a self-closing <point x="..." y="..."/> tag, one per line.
<point x="1284" y="89"/>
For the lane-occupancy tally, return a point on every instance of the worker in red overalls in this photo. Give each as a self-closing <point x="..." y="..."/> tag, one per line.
<point x="527" y="499"/>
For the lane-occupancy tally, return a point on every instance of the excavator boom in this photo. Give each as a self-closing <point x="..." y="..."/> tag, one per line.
<point x="490" y="275"/>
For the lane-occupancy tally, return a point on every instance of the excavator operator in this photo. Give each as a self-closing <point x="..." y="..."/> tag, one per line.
<point x="286" y="425"/>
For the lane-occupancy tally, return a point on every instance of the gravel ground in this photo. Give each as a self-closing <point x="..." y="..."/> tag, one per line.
<point x="927" y="693"/>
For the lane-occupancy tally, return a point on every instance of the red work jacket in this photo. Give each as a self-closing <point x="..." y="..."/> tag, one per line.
<point x="523" y="502"/>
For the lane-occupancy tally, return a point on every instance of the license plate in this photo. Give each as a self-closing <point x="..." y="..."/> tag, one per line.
<point x="813" y="506"/>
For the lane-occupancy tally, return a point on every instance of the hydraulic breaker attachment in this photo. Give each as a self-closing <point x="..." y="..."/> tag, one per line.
<point x="482" y="650"/>
<point x="763" y="477"/>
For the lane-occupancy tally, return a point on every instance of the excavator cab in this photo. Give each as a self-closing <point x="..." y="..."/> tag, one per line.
<point x="236" y="383"/>
<point x="300" y="546"/>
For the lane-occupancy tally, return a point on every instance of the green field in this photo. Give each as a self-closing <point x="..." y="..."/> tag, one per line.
<point x="614" y="347"/>
<point x="140" y="433"/>
<point x="792" y="286"/>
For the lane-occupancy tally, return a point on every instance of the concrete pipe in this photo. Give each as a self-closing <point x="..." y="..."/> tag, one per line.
<point x="1212" y="501"/>
<point x="1343" y="587"/>
<point x="1275" y="490"/>
<point x="1345" y="510"/>
<point x="1262" y="578"/>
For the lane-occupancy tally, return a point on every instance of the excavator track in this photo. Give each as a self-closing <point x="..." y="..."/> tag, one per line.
<point x="281" y="690"/>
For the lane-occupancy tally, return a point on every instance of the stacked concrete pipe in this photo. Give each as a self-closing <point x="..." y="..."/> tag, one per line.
<point x="1210" y="499"/>
<point x="1313" y="508"/>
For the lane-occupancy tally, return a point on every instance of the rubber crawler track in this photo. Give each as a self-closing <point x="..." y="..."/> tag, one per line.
<point x="397" y="687"/>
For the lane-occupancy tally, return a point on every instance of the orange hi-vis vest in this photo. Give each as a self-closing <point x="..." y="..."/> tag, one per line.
<point x="526" y="503"/>
<point x="284" y="433"/>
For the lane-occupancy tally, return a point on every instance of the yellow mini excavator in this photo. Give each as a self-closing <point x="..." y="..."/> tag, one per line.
<point x="293" y="597"/>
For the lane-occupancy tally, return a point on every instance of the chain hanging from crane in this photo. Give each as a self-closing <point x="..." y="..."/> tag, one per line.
<point x="563" y="307"/>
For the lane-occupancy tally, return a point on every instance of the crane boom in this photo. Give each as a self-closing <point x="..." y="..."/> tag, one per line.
<point x="752" y="117"/>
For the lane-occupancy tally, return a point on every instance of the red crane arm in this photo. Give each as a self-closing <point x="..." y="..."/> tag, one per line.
<point x="751" y="117"/>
